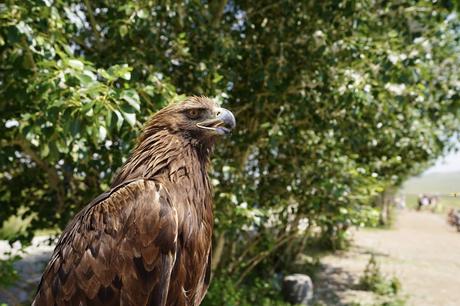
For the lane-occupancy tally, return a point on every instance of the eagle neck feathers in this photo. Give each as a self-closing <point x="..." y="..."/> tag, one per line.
<point x="170" y="159"/>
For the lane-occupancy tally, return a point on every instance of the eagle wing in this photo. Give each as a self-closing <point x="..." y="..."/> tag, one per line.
<point x="120" y="249"/>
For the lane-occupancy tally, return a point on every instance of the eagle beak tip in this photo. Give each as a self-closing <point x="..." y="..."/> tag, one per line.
<point x="227" y="118"/>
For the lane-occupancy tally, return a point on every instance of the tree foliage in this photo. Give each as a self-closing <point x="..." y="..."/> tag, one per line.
<point x="336" y="101"/>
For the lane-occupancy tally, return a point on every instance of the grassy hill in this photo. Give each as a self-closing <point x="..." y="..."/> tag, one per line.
<point x="443" y="183"/>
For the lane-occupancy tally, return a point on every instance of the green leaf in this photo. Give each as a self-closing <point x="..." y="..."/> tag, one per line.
<point x="217" y="78"/>
<point x="123" y="30"/>
<point x="106" y="75"/>
<point x="142" y="13"/>
<point x="54" y="152"/>
<point x="120" y="71"/>
<point x="102" y="133"/>
<point x="84" y="79"/>
<point x="108" y="119"/>
<point x="74" y="127"/>
<point x="119" y="119"/>
<point x="76" y="64"/>
<point x="44" y="150"/>
<point x="131" y="96"/>
<point x="149" y="90"/>
<point x="130" y="118"/>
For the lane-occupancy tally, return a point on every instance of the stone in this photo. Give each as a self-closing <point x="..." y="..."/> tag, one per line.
<point x="297" y="289"/>
<point x="30" y="268"/>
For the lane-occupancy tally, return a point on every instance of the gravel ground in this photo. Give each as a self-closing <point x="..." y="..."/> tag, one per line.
<point x="422" y="251"/>
<point x="30" y="269"/>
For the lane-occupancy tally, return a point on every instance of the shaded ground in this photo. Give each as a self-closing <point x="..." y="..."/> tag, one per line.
<point x="30" y="269"/>
<point x="421" y="250"/>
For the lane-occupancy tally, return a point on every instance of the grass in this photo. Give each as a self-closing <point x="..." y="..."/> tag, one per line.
<point x="445" y="202"/>
<point x="442" y="184"/>
<point x="373" y="280"/>
<point x="388" y="289"/>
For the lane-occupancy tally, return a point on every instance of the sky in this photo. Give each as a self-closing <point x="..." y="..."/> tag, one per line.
<point x="449" y="163"/>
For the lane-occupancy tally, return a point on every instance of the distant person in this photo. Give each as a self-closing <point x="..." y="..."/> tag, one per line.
<point x="400" y="201"/>
<point x="423" y="200"/>
<point x="453" y="218"/>
<point x="434" y="201"/>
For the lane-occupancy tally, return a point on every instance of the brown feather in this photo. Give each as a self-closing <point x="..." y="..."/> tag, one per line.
<point x="148" y="240"/>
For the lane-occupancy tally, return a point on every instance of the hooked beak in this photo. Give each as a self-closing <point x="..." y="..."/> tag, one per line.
<point x="222" y="124"/>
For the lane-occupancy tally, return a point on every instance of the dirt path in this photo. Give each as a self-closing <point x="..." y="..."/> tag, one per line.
<point x="421" y="250"/>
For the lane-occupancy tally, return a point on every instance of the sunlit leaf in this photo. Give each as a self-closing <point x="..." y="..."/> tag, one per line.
<point x="76" y="64"/>
<point x="132" y="98"/>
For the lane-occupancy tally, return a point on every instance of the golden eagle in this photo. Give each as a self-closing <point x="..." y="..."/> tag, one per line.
<point x="147" y="241"/>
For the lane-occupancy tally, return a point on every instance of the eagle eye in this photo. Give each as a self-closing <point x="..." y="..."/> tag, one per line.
<point x="194" y="113"/>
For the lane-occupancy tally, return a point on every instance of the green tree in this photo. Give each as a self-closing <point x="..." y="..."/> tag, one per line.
<point x="336" y="102"/>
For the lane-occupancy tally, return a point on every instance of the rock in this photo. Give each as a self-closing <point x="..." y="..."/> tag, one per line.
<point x="29" y="268"/>
<point x="297" y="289"/>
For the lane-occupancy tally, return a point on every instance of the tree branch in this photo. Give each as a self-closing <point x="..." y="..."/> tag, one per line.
<point x="93" y="23"/>
<point x="53" y="176"/>
<point x="218" y="251"/>
<point x="261" y="256"/>
<point x="240" y="259"/>
<point x="28" y="54"/>
<point x="217" y="12"/>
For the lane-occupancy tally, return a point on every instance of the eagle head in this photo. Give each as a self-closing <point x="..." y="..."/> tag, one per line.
<point x="196" y="121"/>
<point x="196" y="118"/>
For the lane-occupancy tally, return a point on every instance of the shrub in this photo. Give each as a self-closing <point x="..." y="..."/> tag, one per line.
<point x="373" y="280"/>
